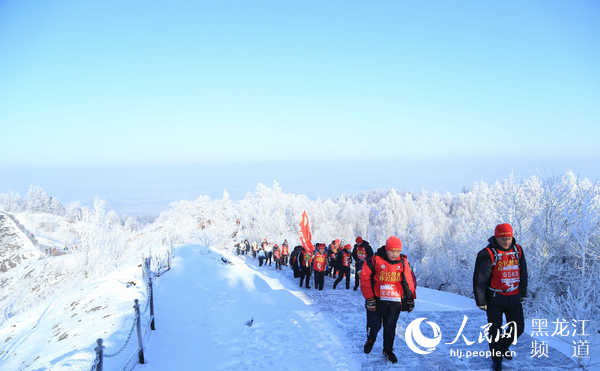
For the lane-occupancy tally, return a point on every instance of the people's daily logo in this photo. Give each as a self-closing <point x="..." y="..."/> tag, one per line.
<point x="423" y="344"/>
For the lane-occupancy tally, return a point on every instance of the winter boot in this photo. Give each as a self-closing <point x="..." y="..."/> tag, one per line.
<point x="355" y="287"/>
<point x="334" y="285"/>
<point x="506" y="353"/>
<point x="368" y="346"/>
<point x="497" y="365"/>
<point x="390" y="355"/>
<point x="301" y="280"/>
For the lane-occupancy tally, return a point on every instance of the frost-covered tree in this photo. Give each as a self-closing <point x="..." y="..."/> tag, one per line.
<point x="11" y="202"/>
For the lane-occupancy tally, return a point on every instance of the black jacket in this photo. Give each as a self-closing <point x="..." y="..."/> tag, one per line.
<point x="483" y="274"/>
<point x="368" y="250"/>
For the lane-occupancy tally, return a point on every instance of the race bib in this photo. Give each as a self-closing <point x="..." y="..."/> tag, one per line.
<point x="389" y="293"/>
<point x="361" y="253"/>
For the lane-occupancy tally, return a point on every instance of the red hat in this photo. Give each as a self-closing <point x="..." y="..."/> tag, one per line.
<point x="276" y="245"/>
<point x="393" y="244"/>
<point x="503" y="230"/>
<point x="359" y="240"/>
<point x="347" y="247"/>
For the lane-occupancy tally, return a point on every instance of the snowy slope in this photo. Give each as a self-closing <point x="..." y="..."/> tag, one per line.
<point x="15" y="244"/>
<point x="60" y="334"/>
<point x="203" y="307"/>
<point x="32" y="275"/>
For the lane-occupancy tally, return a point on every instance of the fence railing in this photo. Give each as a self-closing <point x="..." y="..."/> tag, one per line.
<point x="161" y="265"/>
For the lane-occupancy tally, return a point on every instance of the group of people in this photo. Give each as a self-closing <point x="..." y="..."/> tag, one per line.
<point x="54" y="250"/>
<point x="384" y="277"/>
<point x="334" y="260"/>
<point x="267" y="253"/>
<point x="388" y="284"/>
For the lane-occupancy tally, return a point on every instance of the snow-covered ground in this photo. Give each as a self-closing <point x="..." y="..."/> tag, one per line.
<point x="216" y="312"/>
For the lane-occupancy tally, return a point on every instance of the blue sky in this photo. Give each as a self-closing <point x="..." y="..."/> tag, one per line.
<point x="88" y="83"/>
<point x="147" y="102"/>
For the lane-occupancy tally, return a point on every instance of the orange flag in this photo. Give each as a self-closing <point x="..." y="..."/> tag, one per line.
<point x="305" y="236"/>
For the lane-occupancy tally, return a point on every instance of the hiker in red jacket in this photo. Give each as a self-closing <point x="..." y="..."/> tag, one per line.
<point x="320" y="265"/>
<point x="277" y="256"/>
<point x="388" y="287"/>
<point x="285" y="252"/>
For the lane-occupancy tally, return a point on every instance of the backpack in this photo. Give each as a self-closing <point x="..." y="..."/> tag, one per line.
<point x="517" y="250"/>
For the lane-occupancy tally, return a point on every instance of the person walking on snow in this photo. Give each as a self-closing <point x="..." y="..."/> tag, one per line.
<point x="388" y="286"/>
<point x="344" y="259"/>
<point x="254" y="249"/>
<point x="268" y="253"/>
<point x="295" y="261"/>
<point x="261" y="257"/>
<point x="305" y="263"/>
<point x="247" y="246"/>
<point x="277" y="256"/>
<point x="333" y="252"/>
<point x="360" y="253"/>
<point x="320" y="265"/>
<point x="284" y="252"/>
<point x="500" y="286"/>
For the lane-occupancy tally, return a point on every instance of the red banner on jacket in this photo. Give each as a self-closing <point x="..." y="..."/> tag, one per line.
<point x="305" y="236"/>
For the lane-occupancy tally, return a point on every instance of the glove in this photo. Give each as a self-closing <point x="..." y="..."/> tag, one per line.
<point x="371" y="305"/>
<point x="483" y="307"/>
<point x="411" y="305"/>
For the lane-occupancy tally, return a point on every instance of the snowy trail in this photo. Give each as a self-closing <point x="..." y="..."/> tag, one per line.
<point x="203" y="305"/>
<point x="346" y="308"/>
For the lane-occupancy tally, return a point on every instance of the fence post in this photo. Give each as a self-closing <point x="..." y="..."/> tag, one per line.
<point x="139" y="331"/>
<point x="143" y="268"/>
<point x="151" y="297"/>
<point x="99" y="354"/>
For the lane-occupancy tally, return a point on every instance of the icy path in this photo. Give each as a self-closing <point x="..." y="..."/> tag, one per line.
<point x="203" y="305"/>
<point x="346" y="308"/>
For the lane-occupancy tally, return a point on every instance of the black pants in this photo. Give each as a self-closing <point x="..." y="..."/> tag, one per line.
<point x="344" y="271"/>
<point x="268" y="257"/>
<point x="332" y="264"/>
<point x="512" y="308"/>
<point x="387" y="313"/>
<point x="357" y="269"/>
<point x="260" y="261"/>
<point x="319" y="279"/>
<point x="305" y="273"/>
